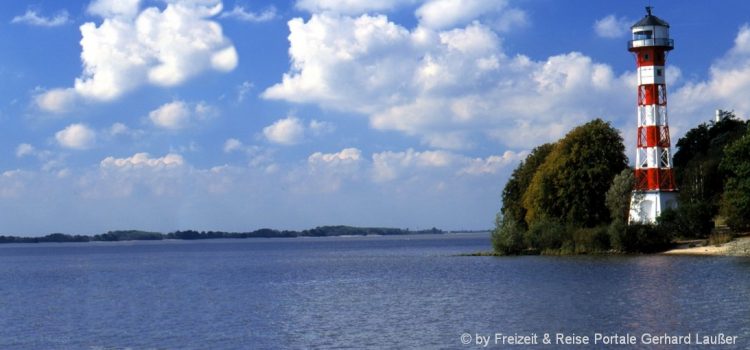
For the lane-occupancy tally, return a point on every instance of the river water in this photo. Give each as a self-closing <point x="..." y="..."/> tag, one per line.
<point x="354" y="292"/>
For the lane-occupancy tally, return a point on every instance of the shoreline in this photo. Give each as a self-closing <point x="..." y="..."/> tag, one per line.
<point x="739" y="246"/>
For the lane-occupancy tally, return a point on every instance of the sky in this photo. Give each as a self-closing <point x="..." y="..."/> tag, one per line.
<point x="238" y="115"/>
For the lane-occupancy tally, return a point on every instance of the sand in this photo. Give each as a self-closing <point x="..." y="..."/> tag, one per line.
<point x="737" y="247"/>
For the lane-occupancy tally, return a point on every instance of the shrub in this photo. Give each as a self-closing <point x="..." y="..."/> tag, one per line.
<point x="591" y="240"/>
<point x="688" y="220"/>
<point x="719" y="238"/>
<point x="546" y="234"/>
<point x="507" y="237"/>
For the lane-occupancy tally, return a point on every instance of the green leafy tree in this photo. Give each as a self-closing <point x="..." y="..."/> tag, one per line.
<point x="571" y="183"/>
<point x="696" y="161"/>
<point x="735" y="203"/>
<point x="507" y="237"/>
<point x="618" y="196"/>
<point x="518" y="183"/>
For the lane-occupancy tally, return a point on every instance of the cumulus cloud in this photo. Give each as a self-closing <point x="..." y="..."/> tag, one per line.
<point x="448" y="13"/>
<point x="232" y="145"/>
<point x="56" y="100"/>
<point x="328" y="171"/>
<point x="24" y="150"/>
<point x="451" y="87"/>
<point x="389" y="165"/>
<point x="114" y="8"/>
<point x="726" y="88"/>
<point x="142" y="160"/>
<point x="612" y="27"/>
<point x="134" y="46"/>
<point x="241" y="14"/>
<point x="351" y="7"/>
<point x="492" y="164"/>
<point x="31" y="17"/>
<point x="347" y="155"/>
<point x="318" y="128"/>
<point x="243" y="90"/>
<point x="76" y="136"/>
<point x="291" y="130"/>
<point x="178" y="114"/>
<point x="287" y="131"/>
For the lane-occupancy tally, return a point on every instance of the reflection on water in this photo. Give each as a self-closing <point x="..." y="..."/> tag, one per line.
<point x="363" y="292"/>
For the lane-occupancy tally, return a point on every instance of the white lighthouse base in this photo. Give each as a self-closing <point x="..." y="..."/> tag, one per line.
<point x="647" y="206"/>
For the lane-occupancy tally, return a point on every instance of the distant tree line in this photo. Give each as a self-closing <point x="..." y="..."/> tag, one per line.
<point x="573" y="196"/>
<point x="135" y="235"/>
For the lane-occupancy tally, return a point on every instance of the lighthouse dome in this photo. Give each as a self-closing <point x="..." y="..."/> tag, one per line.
<point x="650" y="20"/>
<point x="650" y="31"/>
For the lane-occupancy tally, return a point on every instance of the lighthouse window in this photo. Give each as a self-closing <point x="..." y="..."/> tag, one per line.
<point x="645" y="57"/>
<point x="642" y="35"/>
<point x="658" y="72"/>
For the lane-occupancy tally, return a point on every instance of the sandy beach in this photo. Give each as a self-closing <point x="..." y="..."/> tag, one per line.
<point x="738" y="247"/>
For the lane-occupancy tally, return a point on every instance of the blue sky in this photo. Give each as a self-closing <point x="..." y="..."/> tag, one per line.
<point x="237" y="115"/>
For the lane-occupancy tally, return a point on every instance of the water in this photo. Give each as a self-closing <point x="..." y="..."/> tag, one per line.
<point x="359" y="292"/>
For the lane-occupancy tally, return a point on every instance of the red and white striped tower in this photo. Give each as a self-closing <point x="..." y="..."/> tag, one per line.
<point x="655" y="188"/>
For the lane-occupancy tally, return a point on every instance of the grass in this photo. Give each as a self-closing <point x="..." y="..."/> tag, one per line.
<point x="719" y="238"/>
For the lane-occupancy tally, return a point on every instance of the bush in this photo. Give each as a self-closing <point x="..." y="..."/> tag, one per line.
<point x="646" y="238"/>
<point x="638" y="238"/>
<point x="719" y="238"/>
<point x="546" y="234"/>
<point x="617" y="232"/>
<point x="688" y="220"/>
<point x="591" y="240"/>
<point x="507" y="237"/>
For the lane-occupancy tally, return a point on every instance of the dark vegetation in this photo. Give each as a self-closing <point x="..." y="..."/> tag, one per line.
<point x="573" y="196"/>
<point x="133" y="235"/>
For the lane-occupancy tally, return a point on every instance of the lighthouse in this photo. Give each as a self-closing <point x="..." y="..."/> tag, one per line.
<point x="654" y="189"/>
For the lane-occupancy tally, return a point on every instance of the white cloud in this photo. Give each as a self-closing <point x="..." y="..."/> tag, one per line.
<point x="287" y="131"/>
<point x="13" y="183"/>
<point x="142" y="160"/>
<point x="492" y="164"/>
<point x="351" y="7"/>
<point x="450" y="88"/>
<point x="56" y="100"/>
<point x="612" y="27"/>
<point x="449" y="13"/>
<point x="318" y="128"/>
<point x="76" y="136"/>
<point x="243" y="90"/>
<point x="231" y="145"/>
<point x="31" y="17"/>
<point x="389" y="165"/>
<point x="239" y="13"/>
<point x="119" y="129"/>
<point x="24" y="150"/>
<point x="347" y="155"/>
<point x="511" y="18"/>
<point x="178" y="114"/>
<point x="328" y="171"/>
<point x="164" y="47"/>
<point x="114" y="8"/>
<point x="727" y="88"/>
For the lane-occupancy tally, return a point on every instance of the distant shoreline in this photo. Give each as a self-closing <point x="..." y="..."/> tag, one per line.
<point x="137" y="235"/>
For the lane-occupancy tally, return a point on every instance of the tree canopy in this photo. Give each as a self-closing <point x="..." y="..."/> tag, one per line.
<point x="736" y="197"/>
<point x="571" y="183"/>
<point x="519" y="181"/>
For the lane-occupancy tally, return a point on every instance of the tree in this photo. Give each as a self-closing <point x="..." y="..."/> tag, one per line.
<point x="735" y="204"/>
<point x="507" y="237"/>
<point x="696" y="161"/>
<point x="618" y="196"/>
<point x="518" y="183"/>
<point x="571" y="183"/>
